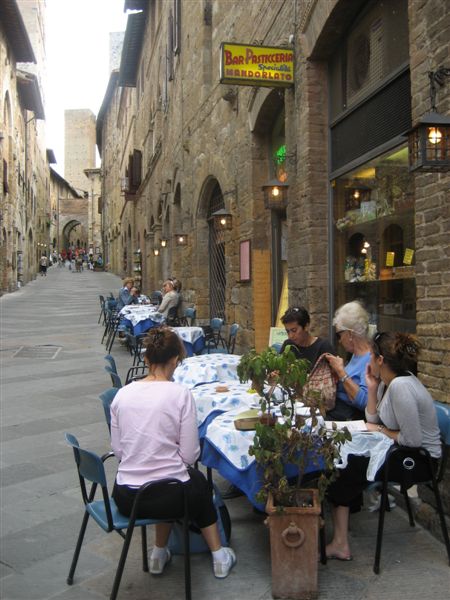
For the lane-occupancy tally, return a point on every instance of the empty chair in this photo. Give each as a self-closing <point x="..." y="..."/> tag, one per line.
<point x="112" y="362"/>
<point x="188" y="318"/>
<point x="102" y="316"/>
<point x="104" y="512"/>
<point x="107" y="397"/>
<point x="115" y="378"/>
<point x="277" y="346"/>
<point x="231" y="343"/>
<point x="213" y="336"/>
<point x="156" y="298"/>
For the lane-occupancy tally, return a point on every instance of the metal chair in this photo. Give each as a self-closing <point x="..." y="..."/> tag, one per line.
<point x="156" y="298"/>
<point x="136" y="372"/>
<point x="106" y="514"/>
<point x="172" y="317"/>
<point x="102" y="316"/>
<point x="231" y="343"/>
<point x="408" y="458"/>
<point x="188" y="319"/>
<point x="213" y="336"/>
<point x="107" y="397"/>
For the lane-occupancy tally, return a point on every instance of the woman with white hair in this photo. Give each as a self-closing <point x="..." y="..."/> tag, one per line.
<point x="351" y="321"/>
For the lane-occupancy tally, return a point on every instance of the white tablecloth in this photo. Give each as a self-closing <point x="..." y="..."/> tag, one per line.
<point x="140" y="312"/>
<point x="208" y="400"/>
<point x="207" y="368"/>
<point x="189" y="334"/>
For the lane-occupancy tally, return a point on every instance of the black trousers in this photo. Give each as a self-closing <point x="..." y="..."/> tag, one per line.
<point x="347" y="489"/>
<point x="165" y="501"/>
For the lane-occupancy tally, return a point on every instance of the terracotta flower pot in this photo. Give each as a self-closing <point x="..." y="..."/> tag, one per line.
<point x="294" y="535"/>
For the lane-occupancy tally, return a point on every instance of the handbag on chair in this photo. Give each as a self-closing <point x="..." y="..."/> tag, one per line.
<point x="321" y="379"/>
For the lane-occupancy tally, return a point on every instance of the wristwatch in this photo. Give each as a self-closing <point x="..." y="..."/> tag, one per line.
<point x="344" y="378"/>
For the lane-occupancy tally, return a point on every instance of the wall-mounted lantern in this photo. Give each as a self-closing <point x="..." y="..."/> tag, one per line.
<point x="223" y="220"/>
<point x="156" y="251"/>
<point x="181" y="239"/>
<point x="164" y="242"/>
<point x="429" y="139"/>
<point x="275" y="194"/>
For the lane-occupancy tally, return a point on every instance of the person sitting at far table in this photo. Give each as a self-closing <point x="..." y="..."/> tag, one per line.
<point x="296" y="321"/>
<point x="398" y="406"/>
<point x="125" y="296"/>
<point x="170" y="298"/>
<point x="154" y="435"/>
<point x="351" y="321"/>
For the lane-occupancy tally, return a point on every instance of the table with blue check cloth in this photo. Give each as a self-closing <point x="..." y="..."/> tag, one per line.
<point x="212" y="399"/>
<point x="139" y="318"/>
<point x="207" y="368"/>
<point x="193" y="339"/>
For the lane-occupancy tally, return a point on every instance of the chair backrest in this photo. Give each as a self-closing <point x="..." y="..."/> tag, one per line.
<point x="277" y="346"/>
<point x="115" y="379"/>
<point x="191" y="314"/>
<point x="172" y="316"/>
<point x="107" y="397"/>
<point x="102" y="299"/>
<point x="216" y="323"/>
<point x="111" y="362"/>
<point x="136" y="372"/>
<point x="90" y="467"/>
<point x="156" y="297"/>
<point x="232" y="337"/>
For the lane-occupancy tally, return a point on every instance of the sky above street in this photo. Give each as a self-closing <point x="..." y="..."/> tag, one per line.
<point x="77" y="60"/>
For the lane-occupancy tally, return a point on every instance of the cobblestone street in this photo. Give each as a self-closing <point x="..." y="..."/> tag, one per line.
<point x="52" y="373"/>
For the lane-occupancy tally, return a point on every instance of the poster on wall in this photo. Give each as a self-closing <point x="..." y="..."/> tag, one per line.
<point x="244" y="261"/>
<point x="246" y="64"/>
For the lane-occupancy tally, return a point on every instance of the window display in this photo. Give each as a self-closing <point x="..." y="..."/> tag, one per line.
<point x="374" y="240"/>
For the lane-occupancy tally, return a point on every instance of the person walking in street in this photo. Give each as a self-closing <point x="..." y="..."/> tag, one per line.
<point x="43" y="262"/>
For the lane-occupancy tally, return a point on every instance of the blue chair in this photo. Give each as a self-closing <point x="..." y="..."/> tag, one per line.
<point x="230" y="344"/>
<point x="277" y="346"/>
<point x="112" y="362"/>
<point x="156" y="298"/>
<point x="213" y="336"/>
<point x="409" y="456"/>
<point x="107" y="397"/>
<point x="188" y="319"/>
<point x="106" y="514"/>
<point x="115" y="379"/>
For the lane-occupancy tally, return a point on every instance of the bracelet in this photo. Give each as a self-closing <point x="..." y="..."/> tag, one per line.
<point x="344" y="378"/>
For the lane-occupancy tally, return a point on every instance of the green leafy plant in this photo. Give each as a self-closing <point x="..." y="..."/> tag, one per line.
<point x="291" y="443"/>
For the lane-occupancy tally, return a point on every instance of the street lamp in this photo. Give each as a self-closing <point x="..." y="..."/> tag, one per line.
<point x="429" y="139"/>
<point x="223" y="220"/>
<point x="275" y="194"/>
<point x="181" y="239"/>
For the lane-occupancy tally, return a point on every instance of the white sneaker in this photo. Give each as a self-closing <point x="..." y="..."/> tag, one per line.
<point x="157" y="565"/>
<point x="222" y="569"/>
<point x="376" y="502"/>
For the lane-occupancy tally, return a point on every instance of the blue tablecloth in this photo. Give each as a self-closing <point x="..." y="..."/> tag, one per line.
<point x="226" y="450"/>
<point x="140" y="327"/>
<point x="193" y="339"/>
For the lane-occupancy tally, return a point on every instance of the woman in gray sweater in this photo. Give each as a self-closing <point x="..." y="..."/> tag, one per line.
<point x="398" y="406"/>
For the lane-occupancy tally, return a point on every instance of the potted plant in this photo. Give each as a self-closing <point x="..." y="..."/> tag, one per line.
<point x="285" y="450"/>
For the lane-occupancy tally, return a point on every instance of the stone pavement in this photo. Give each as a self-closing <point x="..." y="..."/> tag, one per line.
<point x="42" y="397"/>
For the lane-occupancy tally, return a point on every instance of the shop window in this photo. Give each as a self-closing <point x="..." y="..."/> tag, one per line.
<point x="374" y="240"/>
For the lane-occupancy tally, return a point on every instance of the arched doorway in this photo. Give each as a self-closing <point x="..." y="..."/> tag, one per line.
<point x="71" y="234"/>
<point x="216" y="247"/>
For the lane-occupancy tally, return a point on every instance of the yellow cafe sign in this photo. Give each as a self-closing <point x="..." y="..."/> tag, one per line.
<point x="243" y="64"/>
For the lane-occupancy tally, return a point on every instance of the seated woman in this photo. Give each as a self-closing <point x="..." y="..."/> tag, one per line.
<point x="154" y="435"/>
<point x="125" y="297"/>
<point x="170" y="298"/>
<point x="398" y="406"/>
<point x="296" y="321"/>
<point x="351" y="321"/>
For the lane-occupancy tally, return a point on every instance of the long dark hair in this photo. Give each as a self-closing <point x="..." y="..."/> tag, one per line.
<point x="162" y="344"/>
<point x="400" y="351"/>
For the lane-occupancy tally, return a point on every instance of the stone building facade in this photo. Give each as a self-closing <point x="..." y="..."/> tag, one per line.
<point x="177" y="145"/>
<point x="25" y="170"/>
<point x="79" y="145"/>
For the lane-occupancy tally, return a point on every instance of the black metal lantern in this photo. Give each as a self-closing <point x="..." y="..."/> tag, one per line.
<point x="429" y="144"/>
<point x="223" y="220"/>
<point x="164" y="242"/>
<point x="275" y="194"/>
<point x="429" y="139"/>
<point x="181" y="239"/>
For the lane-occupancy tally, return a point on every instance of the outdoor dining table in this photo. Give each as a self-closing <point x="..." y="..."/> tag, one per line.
<point x="139" y="318"/>
<point x="193" y="339"/>
<point x="212" y="399"/>
<point x="207" y="368"/>
<point x="226" y="449"/>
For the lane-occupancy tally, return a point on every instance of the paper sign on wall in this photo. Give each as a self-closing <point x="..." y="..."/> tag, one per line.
<point x="390" y="256"/>
<point x="408" y="256"/>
